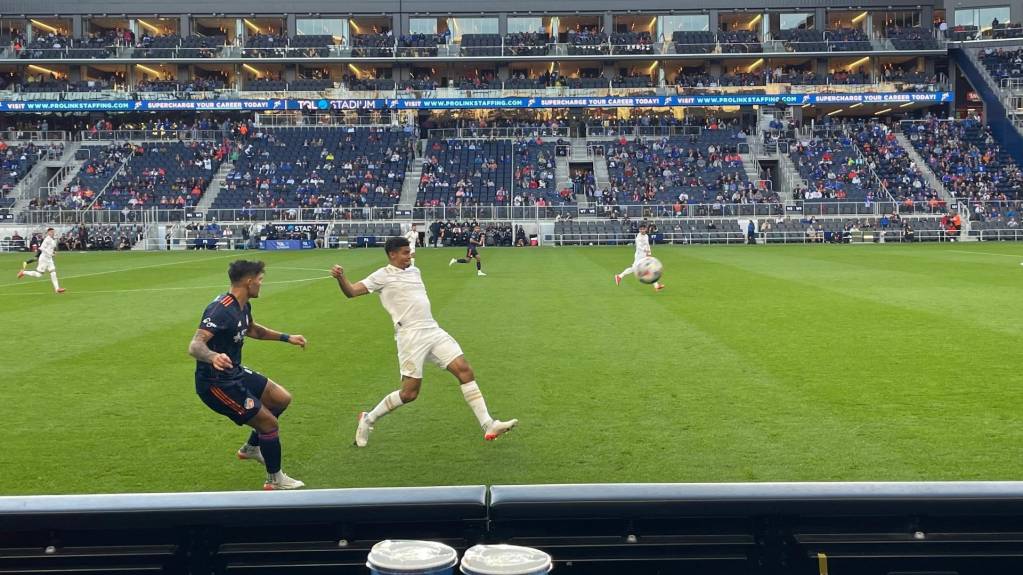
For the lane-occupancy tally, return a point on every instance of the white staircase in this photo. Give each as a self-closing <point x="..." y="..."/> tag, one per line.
<point x="790" y="178"/>
<point x="35" y="184"/>
<point x="213" y="190"/>
<point x="562" y="176"/>
<point x="932" y="180"/>
<point x="410" y="187"/>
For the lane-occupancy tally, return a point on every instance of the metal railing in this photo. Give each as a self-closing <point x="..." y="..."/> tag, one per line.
<point x="510" y="132"/>
<point x="34" y="136"/>
<point x="324" y="120"/>
<point x="600" y="131"/>
<point x="154" y="134"/>
<point x="666" y="210"/>
<point x="731" y="237"/>
<point x="392" y="49"/>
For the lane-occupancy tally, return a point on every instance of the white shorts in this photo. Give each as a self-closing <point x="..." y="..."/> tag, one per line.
<point x="639" y="256"/>
<point x="415" y="346"/>
<point x="45" y="265"/>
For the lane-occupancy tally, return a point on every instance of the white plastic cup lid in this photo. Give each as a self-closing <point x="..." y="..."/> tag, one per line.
<point x="505" y="560"/>
<point x="411" y="556"/>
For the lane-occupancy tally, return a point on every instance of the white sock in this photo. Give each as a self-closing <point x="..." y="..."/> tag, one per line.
<point x="626" y="272"/>
<point x="474" y="397"/>
<point x="34" y="274"/>
<point x="53" y="280"/>
<point x="389" y="403"/>
<point x="276" y="477"/>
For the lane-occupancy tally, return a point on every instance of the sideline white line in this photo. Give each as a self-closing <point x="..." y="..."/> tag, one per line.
<point x="62" y="278"/>
<point x="183" y="288"/>
<point x="1017" y="256"/>
<point x="276" y="267"/>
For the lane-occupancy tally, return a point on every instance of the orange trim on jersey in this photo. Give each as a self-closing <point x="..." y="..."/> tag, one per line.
<point x="228" y="300"/>
<point x="232" y="404"/>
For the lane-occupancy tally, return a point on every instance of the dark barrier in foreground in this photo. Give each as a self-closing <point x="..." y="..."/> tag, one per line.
<point x="861" y="528"/>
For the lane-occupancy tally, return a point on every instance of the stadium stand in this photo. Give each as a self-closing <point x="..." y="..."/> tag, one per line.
<point x="317" y="167"/>
<point x="1002" y="63"/>
<point x="265" y="46"/>
<point x="496" y="172"/>
<point x="802" y="40"/>
<point x="587" y="42"/>
<point x="911" y="38"/>
<point x="526" y="44"/>
<point x="693" y="42"/>
<point x="481" y="45"/>
<point x="16" y="161"/>
<point x="739" y="42"/>
<point x="967" y="159"/>
<point x="417" y="45"/>
<point x="373" y="45"/>
<point x="848" y="40"/>
<point x="704" y="169"/>
<point x="632" y="43"/>
<point x="164" y="174"/>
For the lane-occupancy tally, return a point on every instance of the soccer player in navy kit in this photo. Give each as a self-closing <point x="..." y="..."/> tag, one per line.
<point x="230" y="389"/>
<point x="475" y="241"/>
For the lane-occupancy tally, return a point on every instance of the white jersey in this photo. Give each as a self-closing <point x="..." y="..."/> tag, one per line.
<point x="412" y="236"/>
<point x="642" y="246"/>
<point x="47" y="248"/>
<point x="403" y="295"/>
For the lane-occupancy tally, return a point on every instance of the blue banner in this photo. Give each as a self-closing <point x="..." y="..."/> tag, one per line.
<point x="288" y="245"/>
<point x="477" y="103"/>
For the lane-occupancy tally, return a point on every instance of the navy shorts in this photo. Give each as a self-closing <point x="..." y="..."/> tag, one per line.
<point x="471" y="252"/>
<point x="235" y="398"/>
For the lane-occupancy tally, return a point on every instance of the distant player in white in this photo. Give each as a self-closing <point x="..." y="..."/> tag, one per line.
<point x="412" y="236"/>
<point x="46" y="250"/>
<point x="419" y="338"/>
<point x="642" y="251"/>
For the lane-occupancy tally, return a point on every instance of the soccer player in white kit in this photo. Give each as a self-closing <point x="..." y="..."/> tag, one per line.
<point x="412" y="236"/>
<point x="419" y="338"/>
<point x="642" y="251"/>
<point x="46" y="250"/>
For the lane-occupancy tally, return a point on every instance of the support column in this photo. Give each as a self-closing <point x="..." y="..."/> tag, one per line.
<point x="184" y="26"/>
<point x="927" y="16"/>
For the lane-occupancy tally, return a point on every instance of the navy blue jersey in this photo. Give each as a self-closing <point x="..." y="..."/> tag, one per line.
<point x="475" y="238"/>
<point x="228" y="322"/>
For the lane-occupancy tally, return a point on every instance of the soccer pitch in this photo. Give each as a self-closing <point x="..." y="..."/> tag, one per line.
<point x="787" y="363"/>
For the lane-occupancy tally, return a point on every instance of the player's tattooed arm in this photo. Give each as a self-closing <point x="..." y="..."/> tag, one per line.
<point x="257" y="331"/>
<point x="201" y="351"/>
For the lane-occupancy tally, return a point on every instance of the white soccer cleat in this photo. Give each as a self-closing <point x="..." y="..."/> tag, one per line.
<point x="498" y="428"/>
<point x="362" y="431"/>
<point x="281" y="481"/>
<point x="479" y="273"/>
<point x="452" y="262"/>
<point x="251" y="452"/>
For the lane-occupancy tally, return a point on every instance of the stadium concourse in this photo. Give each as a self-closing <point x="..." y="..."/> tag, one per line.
<point x="538" y="139"/>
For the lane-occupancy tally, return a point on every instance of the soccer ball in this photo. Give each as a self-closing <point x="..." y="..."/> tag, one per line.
<point x="648" y="270"/>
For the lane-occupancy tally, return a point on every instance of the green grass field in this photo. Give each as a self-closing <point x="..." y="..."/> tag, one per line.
<point x="794" y="363"/>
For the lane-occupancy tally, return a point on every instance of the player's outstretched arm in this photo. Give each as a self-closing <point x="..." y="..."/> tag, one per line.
<point x="202" y="352"/>
<point x="349" y="289"/>
<point x="257" y="331"/>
